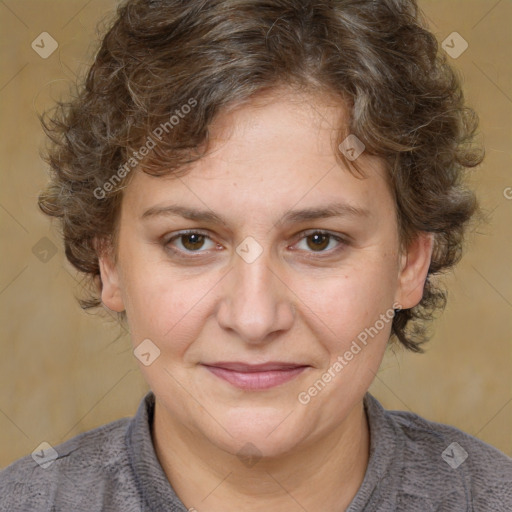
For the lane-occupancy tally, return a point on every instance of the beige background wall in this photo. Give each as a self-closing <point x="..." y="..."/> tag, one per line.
<point x="64" y="371"/>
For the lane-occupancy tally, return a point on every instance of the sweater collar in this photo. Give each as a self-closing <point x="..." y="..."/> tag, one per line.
<point x="158" y="494"/>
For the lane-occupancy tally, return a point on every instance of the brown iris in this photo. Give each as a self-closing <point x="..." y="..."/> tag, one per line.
<point x="321" y="241"/>
<point x="196" y="243"/>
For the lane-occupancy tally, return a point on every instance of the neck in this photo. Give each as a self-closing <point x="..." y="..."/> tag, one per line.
<point x="324" y="474"/>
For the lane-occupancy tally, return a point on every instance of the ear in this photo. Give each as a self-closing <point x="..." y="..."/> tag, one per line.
<point x="111" y="290"/>
<point x="414" y="265"/>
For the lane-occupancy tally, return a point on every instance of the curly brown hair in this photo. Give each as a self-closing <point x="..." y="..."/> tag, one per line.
<point x="405" y="103"/>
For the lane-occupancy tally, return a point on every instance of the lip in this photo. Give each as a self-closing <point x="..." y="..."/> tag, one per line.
<point x="247" y="367"/>
<point x="256" y="376"/>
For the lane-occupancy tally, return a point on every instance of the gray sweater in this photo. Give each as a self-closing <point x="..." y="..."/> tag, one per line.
<point x="415" y="465"/>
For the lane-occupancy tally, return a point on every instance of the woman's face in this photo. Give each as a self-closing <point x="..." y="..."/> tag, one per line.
<point x="262" y="285"/>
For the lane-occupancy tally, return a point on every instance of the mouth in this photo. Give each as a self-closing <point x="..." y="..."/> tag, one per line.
<point x="257" y="376"/>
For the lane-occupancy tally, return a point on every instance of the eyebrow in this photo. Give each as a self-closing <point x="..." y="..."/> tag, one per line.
<point x="293" y="216"/>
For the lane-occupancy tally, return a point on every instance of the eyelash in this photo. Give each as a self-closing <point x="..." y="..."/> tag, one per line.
<point x="303" y="235"/>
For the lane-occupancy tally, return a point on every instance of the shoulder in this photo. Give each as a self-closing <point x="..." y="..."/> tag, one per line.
<point x="441" y="460"/>
<point x="71" y="474"/>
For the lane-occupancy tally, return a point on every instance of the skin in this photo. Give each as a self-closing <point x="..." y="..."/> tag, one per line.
<point x="296" y="303"/>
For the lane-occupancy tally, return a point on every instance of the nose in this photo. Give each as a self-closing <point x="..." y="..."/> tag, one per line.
<point x="256" y="303"/>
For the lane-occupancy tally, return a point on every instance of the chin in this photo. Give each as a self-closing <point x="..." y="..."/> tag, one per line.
<point x="259" y="435"/>
<point x="251" y="449"/>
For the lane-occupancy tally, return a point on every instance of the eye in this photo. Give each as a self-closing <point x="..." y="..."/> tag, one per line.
<point x="193" y="241"/>
<point x="190" y="241"/>
<point x="319" y="241"/>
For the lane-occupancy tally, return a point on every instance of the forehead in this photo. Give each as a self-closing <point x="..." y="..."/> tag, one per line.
<point x="280" y="123"/>
<point x="276" y="149"/>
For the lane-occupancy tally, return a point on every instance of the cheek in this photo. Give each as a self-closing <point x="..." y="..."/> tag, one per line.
<point x="166" y="307"/>
<point x="348" y="302"/>
<point x="348" y="325"/>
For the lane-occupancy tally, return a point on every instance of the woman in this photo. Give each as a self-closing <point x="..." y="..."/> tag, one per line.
<point x="262" y="191"/>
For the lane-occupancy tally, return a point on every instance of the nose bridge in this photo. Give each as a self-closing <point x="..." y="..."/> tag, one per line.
<point x="256" y="302"/>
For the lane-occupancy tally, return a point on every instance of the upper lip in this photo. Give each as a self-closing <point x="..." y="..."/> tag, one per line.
<point x="264" y="367"/>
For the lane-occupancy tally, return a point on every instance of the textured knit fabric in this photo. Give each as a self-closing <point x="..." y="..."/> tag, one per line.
<point x="413" y="467"/>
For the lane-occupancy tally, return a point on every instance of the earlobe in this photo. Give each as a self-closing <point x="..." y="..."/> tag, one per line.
<point x="415" y="262"/>
<point x="111" y="290"/>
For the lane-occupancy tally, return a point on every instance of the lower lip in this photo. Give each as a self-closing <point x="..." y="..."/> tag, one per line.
<point x="256" y="380"/>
